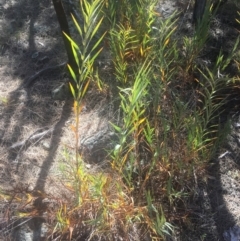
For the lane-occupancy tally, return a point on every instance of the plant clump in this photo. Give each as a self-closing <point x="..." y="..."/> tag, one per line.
<point x="170" y="109"/>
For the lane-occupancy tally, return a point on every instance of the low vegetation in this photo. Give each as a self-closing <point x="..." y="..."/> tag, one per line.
<point x="170" y="108"/>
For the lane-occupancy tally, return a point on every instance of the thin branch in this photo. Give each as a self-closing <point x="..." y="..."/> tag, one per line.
<point x="35" y="137"/>
<point x="30" y="80"/>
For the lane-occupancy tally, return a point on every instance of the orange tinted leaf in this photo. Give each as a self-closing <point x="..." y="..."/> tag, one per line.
<point x="166" y="42"/>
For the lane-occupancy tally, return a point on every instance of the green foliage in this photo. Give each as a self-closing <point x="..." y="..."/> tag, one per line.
<point x="169" y="128"/>
<point x="194" y="45"/>
<point x="133" y="105"/>
<point x="131" y="36"/>
<point x="123" y="43"/>
<point x="166" y="136"/>
<point x="85" y="186"/>
<point x="84" y="55"/>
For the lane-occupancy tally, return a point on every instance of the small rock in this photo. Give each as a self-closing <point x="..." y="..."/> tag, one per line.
<point x="46" y="145"/>
<point x="94" y="147"/>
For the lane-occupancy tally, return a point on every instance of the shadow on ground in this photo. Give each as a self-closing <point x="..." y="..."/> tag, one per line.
<point x="31" y="41"/>
<point x="220" y="190"/>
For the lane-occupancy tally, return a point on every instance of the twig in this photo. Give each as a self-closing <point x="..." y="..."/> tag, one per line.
<point x="36" y="137"/>
<point x="30" y="80"/>
<point x="11" y="224"/>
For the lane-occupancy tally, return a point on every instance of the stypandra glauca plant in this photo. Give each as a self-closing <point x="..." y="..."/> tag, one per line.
<point x="123" y="42"/>
<point x="130" y="35"/>
<point x="165" y="135"/>
<point x="85" y="54"/>
<point x="195" y="44"/>
<point x="212" y="84"/>
<point x="143" y="24"/>
<point x="136" y="153"/>
<point x="128" y="158"/>
<point x="121" y="12"/>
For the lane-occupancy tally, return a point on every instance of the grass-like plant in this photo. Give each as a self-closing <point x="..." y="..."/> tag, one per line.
<point x="136" y="155"/>
<point x="85" y="55"/>
<point x="195" y="44"/>
<point x="168" y="131"/>
<point x="131" y="35"/>
<point x="166" y="137"/>
<point x="123" y="43"/>
<point x="133" y="104"/>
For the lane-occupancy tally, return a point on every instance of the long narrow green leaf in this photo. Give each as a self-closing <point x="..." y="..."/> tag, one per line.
<point x="117" y="128"/>
<point x="72" y="73"/>
<point x="77" y="26"/>
<point x="72" y="91"/>
<point x="95" y="56"/>
<point x="96" y="28"/>
<point x="75" y="55"/>
<point x="86" y="6"/>
<point x="98" y="42"/>
<point x="72" y="42"/>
